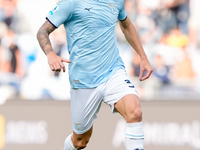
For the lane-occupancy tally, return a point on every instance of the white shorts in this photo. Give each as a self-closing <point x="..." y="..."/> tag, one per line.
<point x="85" y="103"/>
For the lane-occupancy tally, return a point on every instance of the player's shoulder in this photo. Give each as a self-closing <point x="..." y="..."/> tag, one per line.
<point x="67" y="2"/>
<point x="120" y="1"/>
<point x="66" y="5"/>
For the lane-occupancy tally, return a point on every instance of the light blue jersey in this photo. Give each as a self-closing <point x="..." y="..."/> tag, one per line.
<point x="91" y="39"/>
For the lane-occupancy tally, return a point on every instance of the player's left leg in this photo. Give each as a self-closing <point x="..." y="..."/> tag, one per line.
<point x="122" y="96"/>
<point x="129" y="108"/>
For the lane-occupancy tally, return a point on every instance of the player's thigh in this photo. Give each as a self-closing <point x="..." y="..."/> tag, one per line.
<point x="122" y="96"/>
<point x="85" y="104"/>
<point x="118" y="88"/>
<point x="129" y="107"/>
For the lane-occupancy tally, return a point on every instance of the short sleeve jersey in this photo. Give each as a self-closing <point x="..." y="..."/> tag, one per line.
<point x="91" y="38"/>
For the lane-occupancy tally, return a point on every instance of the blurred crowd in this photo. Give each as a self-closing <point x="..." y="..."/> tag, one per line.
<point x="170" y="34"/>
<point x="169" y="31"/>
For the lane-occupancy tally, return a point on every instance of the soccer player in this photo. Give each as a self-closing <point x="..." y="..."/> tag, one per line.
<point x="96" y="71"/>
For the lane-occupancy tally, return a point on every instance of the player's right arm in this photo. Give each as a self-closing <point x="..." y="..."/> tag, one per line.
<point x="43" y="37"/>
<point x="55" y="62"/>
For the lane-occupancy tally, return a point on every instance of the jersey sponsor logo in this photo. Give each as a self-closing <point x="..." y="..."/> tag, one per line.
<point x="88" y="9"/>
<point x="129" y="82"/>
<point x="54" y="10"/>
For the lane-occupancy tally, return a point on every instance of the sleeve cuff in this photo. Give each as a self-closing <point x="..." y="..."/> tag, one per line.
<point x="123" y="19"/>
<point x="51" y="22"/>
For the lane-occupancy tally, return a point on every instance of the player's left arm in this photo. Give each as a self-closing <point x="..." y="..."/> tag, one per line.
<point x="132" y="37"/>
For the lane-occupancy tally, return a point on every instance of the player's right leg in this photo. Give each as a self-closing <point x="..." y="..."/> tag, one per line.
<point x="85" y="104"/>
<point x="77" y="141"/>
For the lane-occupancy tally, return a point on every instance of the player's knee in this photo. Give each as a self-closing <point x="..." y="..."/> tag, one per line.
<point x="134" y="116"/>
<point x="81" y="143"/>
<point x="80" y="146"/>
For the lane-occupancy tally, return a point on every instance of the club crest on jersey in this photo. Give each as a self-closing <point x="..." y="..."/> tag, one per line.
<point x="113" y="8"/>
<point x="111" y="5"/>
<point x="54" y="10"/>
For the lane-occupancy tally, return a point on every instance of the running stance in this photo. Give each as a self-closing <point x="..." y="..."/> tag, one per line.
<point x="96" y="71"/>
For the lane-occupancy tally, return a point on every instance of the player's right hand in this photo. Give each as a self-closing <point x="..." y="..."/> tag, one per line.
<point x="56" y="62"/>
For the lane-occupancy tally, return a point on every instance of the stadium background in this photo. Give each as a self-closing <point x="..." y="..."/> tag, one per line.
<point x="35" y="102"/>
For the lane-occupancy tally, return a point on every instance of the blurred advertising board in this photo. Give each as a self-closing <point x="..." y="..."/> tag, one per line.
<point x="30" y="125"/>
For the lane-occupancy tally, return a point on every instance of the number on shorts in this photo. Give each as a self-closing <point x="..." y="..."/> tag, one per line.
<point x="130" y="84"/>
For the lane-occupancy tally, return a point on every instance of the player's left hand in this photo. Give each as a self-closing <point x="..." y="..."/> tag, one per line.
<point x="145" y="66"/>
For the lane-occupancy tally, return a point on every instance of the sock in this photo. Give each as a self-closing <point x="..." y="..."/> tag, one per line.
<point x="68" y="143"/>
<point x="134" y="135"/>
